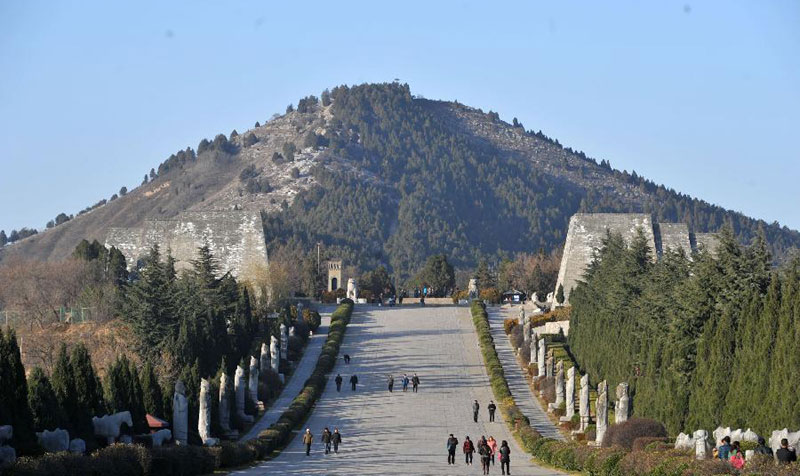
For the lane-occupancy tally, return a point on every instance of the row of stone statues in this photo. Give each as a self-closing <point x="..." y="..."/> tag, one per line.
<point x="699" y="440"/>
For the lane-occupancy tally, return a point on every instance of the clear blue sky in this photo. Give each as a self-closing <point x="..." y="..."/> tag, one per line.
<point x="701" y="96"/>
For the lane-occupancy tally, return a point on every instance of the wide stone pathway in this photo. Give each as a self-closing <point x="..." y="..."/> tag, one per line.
<point x="521" y="391"/>
<point x="402" y="433"/>
<point x="297" y="380"/>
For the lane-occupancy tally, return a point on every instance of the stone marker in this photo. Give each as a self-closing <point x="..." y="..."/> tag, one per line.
<point x="601" y="407"/>
<point x="583" y="404"/>
<point x="240" y="388"/>
<point x="180" y="414"/>
<point x="53" y="441"/>
<point x="225" y="406"/>
<point x="541" y="359"/>
<point x="526" y="330"/>
<point x="274" y="351"/>
<point x="264" y="359"/>
<point x="108" y="426"/>
<point x="569" y="395"/>
<point x="204" y="419"/>
<point x="622" y="407"/>
<point x="559" y="383"/>
<point x="77" y="446"/>
<point x="701" y="445"/>
<point x="284" y="343"/>
<point x="252" y="385"/>
<point x="534" y="348"/>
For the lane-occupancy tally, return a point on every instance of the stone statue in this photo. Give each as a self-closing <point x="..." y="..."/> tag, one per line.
<point x="583" y="403"/>
<point x="180" y="414"/>
<point x="264" y="359"/>
<point x="534" y="348"/>
<point x="352" y="289"/>
<point x="559" y="383"/>
<point x="158" y="438"/>
<point x="240" y="388"/>
<point x="684" y="442"/>
<point x="77" y="446"/>
<point x="701" y="445"/>
<point x="274" y="353"/>
<point x="252" y="384"/>
<point x="549" y="367"/>
<point x="8" y="455"/>
<point x="6" y="433"/>
<point x="473" y="289"/>
<point x="204" y="420"/>
<point x="109" y="426"/>
<point x="541" y="359"/>
<point x="521" y="317"/>
<point x="622" y="406"/>
<point x="602" y="411"/>
<point x="53" y="441"/>
<point x="284" y="343"/>
<point x="225" y="406"/>
<point x="569" y="395"/>
<point x="526" y="331"/>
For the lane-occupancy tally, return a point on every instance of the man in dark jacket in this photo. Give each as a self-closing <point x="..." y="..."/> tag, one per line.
<point x="492" y="407"/>
<point x="414" y="383"/>
<point x="469" y="448"/>
<point x="784" y="454"/>
<point x="762" y="448"/>
<point x="336" y="439"/>
<point x="475" y="408"/>
<point x="452" y="445"/>
<point x="338" y="381"/>
<point x="391" y="383"/>
<point x="326" y="439"/>
<point x="353" y="382"/>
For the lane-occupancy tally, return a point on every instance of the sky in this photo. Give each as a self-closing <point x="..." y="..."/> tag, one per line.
<point x="703" y="97"/>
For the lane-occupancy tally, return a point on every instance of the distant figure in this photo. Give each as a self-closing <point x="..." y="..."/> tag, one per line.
<point x="353" y="382"/>
<point x="505" y="458"/>
<point x="762" y="448"/>
<point x="405" y="382"/>
<point x="346" y="358"/>
<point x="492" y="446"/>
<point x="475" y="408"/>
<point x="737" y="457"/>
<point x="785" y="454"/>
<point x="414" y="383"/>
<point x="391" y="383"/>
<point x="326" y="439"/>
<point x="337" y="439"/>
<point x="491" y="407"/>
<point x="452" y="444"/>
<point x="338" y="381"/>
<point x="469" y="448"/>
<point x="724" y="450"/>
<point x="485" y="452"/>
<point x="308" y="438"/>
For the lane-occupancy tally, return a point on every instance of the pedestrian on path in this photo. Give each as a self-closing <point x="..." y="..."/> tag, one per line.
<point x="492" y="407"/>
<point x="338" y="381"/>
<point x="414" y="382"/>
<point x="353" y="382"/>
<point x="469" y="448"/>
<point x="308" y="438"/>
<point x="452" y="444"/>
<point x="346" y="358"/>
<point x="484" y="452"/>
<point x="391" y="383"/>
<point x="492" y="446"/>
<point x="475" y="408"/>
<point x="505" y="458"/>
<point x="337" y="439"/>
<point x="326" y="439"/>
<point x="405" y="382"/>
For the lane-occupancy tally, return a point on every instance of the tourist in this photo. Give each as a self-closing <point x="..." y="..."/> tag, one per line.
<point x="308" y="438"/>
<point x="336" y="439"/>
<point x="492" y="446"/>
<point x="338" y="381"/>
<point x="414" y="383"/>
<point x="737" y="457"/>
<point x="469" y="448"/>
<point x="505" y="458"/>
<point x="346" y="358"/>
<point x="724" y="450"/>
<point x="405" y="382"/>
<point x="475" y="408"/>
<point x="492" y="407"/>
<point x="785" y="455"/>
<point x="485" y="452"/>
<point x="452" y="444"/>
<point x="391" y="383"/>
<point x="762" y="448"/>
<point x="353" y="382"/>
<point x="326" y="439"/>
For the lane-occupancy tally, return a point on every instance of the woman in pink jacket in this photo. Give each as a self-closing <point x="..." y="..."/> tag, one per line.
<point x="492" y="446"/>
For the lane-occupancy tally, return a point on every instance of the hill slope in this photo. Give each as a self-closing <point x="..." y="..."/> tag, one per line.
<point x="383" y="177"/>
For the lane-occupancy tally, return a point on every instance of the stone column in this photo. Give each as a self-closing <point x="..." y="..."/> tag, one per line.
<point x="264" y="359"/>
<point x="622" y="406"/>
<point x="225" y="405"/>
<point x="204" y="420"/>
<point x="559" y="383"/>
<point x="541" y="359"/>
<point x="274" y="352"/>
<point x="284" y="343"/>
<point x="569" y="397"/>
<point x="240" y="387"/>
<point x="180" y="415"/>
<point x="534" y="348"/>
<point x="549" y="368"/>
<point x="701" y="446"/>
<point x="602" y="411"/>
<point x="252" y="384"/>
<point x="583" y="404"/>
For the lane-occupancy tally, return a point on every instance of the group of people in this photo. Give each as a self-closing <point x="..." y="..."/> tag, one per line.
<point x="476" y="407"/>
<point x="328" y="439"/>
<point x="487" y="449"/>
<point x="405" y="381"/>
<point x="733" y="453"/>
<point x="339" y="379"/>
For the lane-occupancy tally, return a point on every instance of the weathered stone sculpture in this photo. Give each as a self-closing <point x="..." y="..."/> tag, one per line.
<point x="549" y="368"/>
<point x="541" y="359"/>
<point x="161" y="436"/>
<point x="8" y="455"/>
<point x="559" y="383"/>
<point x="534" y="348"/>
<point x="53" y="441"/>
<point x="225" y="406"/>
<point x="684" y="442"/>
<point x="77" y="446"/>
<point x="109" y="426"/>
<point x="284" y="343"/>
<point x="569" y="395"/>
<point x="749" y="435"/>
<point x="6" y="433"/>
<point x="473" y="289"/>
<point x="622" y="406"/>
<point x="204" y="420"/>
<point x="274" y="353"/>
<point x="352" y="289"/>
<point x="701" y="445"/>
<point x="777" y="435"/>
<point x="252" y="384"/>
<point x="263" y="359"/>
<point x="526" y="331"/>
<point x="180" y="414"/>
<point x="521" y="317"/>
<point x="240" y="388"/>
<point x="583" y="404"/>
<point x="601" y="407"/>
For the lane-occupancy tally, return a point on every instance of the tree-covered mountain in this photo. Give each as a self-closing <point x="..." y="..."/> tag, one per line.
<point x="382" y="177"/>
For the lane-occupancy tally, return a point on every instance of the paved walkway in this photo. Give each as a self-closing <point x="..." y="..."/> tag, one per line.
<point x="520" y="390"/>
<point x="296" y="381"/>
<point x="402" y="433"/>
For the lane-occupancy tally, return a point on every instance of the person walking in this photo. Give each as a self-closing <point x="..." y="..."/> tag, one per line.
<point x="336" y="439"/>
<point x="346" y="358"/>
<point x="308" y="438"/>
<point x="475" y="408"/>
<point x="785" y="455"/>
<point x="452" y="445"/>
<point x="326" y="439"/>
<point x="353" y="382"/>
<point x="484" y="452"/>
<point x="492" y="446"/>
<point x="414" y="382"/>
<point x="491" y="407"/>
<point x="405" y="382"/>
<point x="468" y="448"/>
<point x="505" y="458"/>
<point x="391" y="383"/>
<point x="338" y="381"/>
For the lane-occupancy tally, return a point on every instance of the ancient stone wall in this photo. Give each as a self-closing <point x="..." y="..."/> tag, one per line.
<point x="236" y="239"/>
<point x="673" y="236"/>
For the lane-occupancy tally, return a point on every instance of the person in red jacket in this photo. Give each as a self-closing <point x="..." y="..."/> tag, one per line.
<point x="469" y="449"/>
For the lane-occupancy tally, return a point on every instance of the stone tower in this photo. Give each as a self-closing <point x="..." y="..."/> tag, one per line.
<point x="334" y="275"/>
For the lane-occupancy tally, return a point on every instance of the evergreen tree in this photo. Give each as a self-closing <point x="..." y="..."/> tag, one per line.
<point x="560" y="294"/>
<point x="123" y="392"/>
<point x="3" y="238"/>
<point x="14" y="409"/>
<point x="483" y="275"/>
<point x="62" y="382"/>
<point x="152" y="396"/>
<point x="783" y="390"/>
<point x="47" y="413"/>
<point x="123" y="191"/>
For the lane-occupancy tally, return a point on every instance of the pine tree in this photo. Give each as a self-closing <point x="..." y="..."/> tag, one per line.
<point x="14" y="409"/>
<point x="62" y="381"/>
<point x="47" y="413"/>
<point x="483" y="275"/>
<point x="782" y="377"/>
<point x="123" y="392"/>
<point x="152" y="396"/>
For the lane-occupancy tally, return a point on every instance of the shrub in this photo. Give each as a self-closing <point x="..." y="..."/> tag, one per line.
<point x="183" y="460"/>
<point x="624" y="434"/>
<point x="516" y="337"/>
<point x="509" y="324"/>
<point x="490" y="294"/>
<point x="312" y="319"/>
<point x="525" y="353"/>
<point x="122" y="460"/>
<point x="459" y="295"/>
<point x="645" y="443"/>
<point x="547" y="386"/>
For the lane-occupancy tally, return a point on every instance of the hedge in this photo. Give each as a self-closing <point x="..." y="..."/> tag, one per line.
<point x="135" y="460"/>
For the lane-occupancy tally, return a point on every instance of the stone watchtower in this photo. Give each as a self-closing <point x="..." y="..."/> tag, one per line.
<point x="334" y="275"/>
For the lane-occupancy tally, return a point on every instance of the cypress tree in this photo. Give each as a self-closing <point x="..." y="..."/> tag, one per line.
<point x="123" y="392"/>
<point x="47" y="413"/>
<point x="14" y="409"/>
<point x="783" y="374"/>
<point x="152" y="396"/>
<point x="62" y="381"/>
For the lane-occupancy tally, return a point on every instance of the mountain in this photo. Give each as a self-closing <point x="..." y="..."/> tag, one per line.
<point x="381" y="176"/>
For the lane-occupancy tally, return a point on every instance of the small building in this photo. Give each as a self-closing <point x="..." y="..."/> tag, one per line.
<point x="514" y="296"/>
<point x="334" y="275"/>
